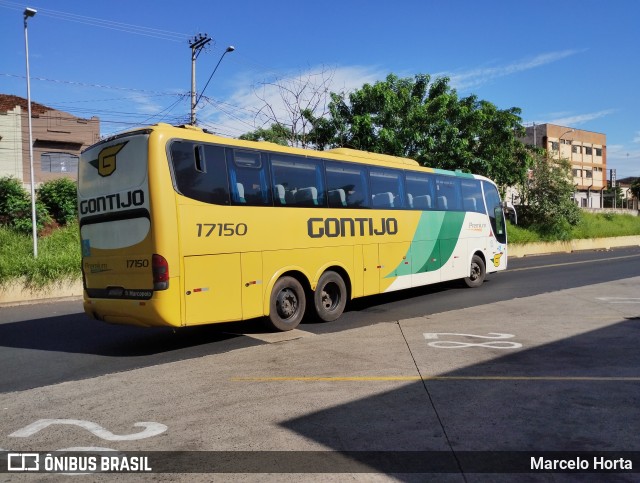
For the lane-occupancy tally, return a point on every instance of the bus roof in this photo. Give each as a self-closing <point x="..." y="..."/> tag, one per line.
<point x="338" y="154"/>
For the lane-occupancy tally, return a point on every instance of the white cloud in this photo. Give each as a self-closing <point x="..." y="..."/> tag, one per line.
<point x="569" y="119"/>
<point x="577" y="119"/>
<point x="637" y="138"/>
<point x="244" y="110"/>
<point x="476" y="77"/>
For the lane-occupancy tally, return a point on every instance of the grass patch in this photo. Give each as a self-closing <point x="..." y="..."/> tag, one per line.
<point x="591" y="225"/>
<point x="58" y="257"/>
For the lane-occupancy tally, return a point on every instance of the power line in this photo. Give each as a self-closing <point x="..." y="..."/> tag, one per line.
<point x="85" y="84"/>
<point x="108" y="24"/>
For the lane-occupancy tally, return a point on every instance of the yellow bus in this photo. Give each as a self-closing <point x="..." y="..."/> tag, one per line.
<point x="181" y="227"/>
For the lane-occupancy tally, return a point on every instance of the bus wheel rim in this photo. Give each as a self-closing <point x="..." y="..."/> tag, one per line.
<point x="330" y="296"/>
<point x="287" y="303"/>
<point x="475" y="271"/>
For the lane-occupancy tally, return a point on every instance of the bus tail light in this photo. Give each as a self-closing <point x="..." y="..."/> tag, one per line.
<point x="160" y="269"/>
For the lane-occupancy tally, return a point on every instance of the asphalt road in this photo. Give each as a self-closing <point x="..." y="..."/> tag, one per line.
<point x="443" y="383"/>
<point x="49" y="343"/>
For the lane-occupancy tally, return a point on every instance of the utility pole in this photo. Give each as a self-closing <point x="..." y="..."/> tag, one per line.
<point x="197" y="43"/>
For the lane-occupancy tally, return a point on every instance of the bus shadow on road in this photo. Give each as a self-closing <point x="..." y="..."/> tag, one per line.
<point x="571" y="395"/>
<point x="76" y="333"/>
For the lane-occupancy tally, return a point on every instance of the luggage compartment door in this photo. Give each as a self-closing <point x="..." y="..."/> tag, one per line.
<point x="212" y="288"/>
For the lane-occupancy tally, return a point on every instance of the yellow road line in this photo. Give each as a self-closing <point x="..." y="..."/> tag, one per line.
<point x="431" y="378"/>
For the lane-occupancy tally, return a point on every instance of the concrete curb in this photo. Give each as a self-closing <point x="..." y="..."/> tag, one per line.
<point x="16" y="293"/>
<point x="529" y="249"/>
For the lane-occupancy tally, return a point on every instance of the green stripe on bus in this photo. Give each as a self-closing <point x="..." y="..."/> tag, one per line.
<point x="433" y="242"/>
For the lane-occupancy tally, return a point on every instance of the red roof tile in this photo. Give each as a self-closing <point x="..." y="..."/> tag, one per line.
<point x="9" y="102"/>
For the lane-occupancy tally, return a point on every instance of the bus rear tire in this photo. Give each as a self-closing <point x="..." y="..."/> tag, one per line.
<point x="287" y="304"/>
<point x="477" y="272"/>
<point x="330" y="296"/>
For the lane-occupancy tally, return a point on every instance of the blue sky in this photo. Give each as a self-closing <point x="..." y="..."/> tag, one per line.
<point x="573" y="62"/>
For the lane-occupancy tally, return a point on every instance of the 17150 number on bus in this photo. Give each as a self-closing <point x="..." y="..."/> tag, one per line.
<point x="221" y="229"/>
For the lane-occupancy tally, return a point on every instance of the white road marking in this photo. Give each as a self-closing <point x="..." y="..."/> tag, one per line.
<point x="452" y="344"/>
<point x="151" y="429"/>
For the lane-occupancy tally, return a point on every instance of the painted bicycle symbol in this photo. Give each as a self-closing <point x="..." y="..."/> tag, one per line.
<point x="493" y="343"/>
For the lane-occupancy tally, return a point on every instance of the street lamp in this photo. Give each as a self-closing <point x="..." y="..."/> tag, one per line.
<point x="560" y="142"/>
<point x="231" y="48"/>
<point x="30" y="12"/>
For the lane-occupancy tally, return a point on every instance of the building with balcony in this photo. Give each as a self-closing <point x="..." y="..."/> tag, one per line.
<point x="58" y="140"/>
<point x="585" y="150"/>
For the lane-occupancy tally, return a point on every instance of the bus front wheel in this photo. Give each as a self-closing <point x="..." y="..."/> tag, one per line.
<point x="287" y="304"/>
<point x="477" y="272"/>
<point x="330" y="297"/>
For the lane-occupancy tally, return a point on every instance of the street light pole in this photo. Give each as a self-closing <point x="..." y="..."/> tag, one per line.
<point x="197" y="44"/>
<point x="30" y="12"/>
<point x="560" y="143"/>
<point x="231" y="48"/>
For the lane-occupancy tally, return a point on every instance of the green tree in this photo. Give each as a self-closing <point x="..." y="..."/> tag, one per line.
<point x="277" y="133"/>
<point x="426" y="120"/>
<point x="60" y="196"/>
<point x="635" y="188"/>
<point x="15" y="207"/>
<point x="288" y="104"/>
<point x="547" y="197"/>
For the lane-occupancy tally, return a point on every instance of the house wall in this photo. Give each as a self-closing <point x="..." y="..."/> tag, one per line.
<point x="11" y="163"/>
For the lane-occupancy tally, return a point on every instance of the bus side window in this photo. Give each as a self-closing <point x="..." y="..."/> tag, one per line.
<point x="448" y="195"/>
<point x="347" y="185"/>
<point x="297" y="181"/>
<point x="472" y="195"/>
<point x="199" y="172"/>
<point x="420" y="190"/>
<point x="248" y="178"/>
<point x="387" y="188"/>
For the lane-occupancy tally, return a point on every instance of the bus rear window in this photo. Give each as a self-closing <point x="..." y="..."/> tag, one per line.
<point x="200" y="172"/>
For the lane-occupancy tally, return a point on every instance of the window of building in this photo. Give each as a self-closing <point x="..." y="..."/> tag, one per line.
<point x="577" y="173"/>
<point x="576" y="149"/>
<point x="554" y="146"/>
<point x="588" y="173"/>
<point x="58" y="163"/>
<point x="598" y="151"/>
<point x="588" y="151"/>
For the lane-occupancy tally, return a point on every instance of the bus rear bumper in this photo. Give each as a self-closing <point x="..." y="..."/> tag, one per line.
<point x="147" y="313"/>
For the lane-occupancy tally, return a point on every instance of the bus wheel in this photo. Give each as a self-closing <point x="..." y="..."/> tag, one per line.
<point x="477" y="273"/>
<point x="287" y="304"/>
<point x="330" y="296"/>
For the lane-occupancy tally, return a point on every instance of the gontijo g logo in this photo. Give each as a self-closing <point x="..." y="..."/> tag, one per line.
<point x="106" y="162"/>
